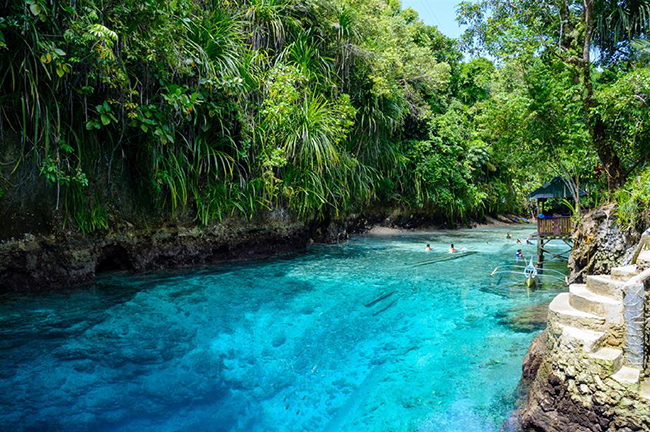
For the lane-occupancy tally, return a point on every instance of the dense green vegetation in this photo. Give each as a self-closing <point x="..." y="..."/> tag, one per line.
<point x="211" y="109"/>
<point x="587" y="86"/>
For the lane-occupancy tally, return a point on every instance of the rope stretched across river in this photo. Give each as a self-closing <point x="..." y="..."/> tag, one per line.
<point x="445" y="258"/>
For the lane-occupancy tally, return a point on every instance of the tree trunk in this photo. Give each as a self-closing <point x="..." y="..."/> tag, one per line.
<point x="610" y="160"/>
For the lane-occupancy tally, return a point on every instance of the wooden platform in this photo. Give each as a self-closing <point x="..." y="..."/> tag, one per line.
<point x="553" y="228"/>
<point x="558" y="227"/>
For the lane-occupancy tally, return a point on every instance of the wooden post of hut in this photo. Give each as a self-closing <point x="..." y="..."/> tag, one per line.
<point x="553" y="223"/>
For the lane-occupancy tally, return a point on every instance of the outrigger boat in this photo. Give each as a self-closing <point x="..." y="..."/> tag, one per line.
<point x="530" y="273"/>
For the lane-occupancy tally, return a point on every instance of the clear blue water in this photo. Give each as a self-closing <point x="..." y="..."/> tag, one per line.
<point x="346" y="337"/>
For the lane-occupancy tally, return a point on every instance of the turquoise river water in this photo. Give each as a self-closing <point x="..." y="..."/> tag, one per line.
<point x="348" y="337"/>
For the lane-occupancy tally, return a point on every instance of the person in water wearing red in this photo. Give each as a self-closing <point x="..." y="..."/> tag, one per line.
<point x="452" y="249"/>
<point x="428" y="248"/>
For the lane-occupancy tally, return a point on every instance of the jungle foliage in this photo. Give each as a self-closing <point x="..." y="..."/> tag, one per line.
<point x="586" y="62"/>
<point x="592" y="52"/>
<point x="227" y="108"/>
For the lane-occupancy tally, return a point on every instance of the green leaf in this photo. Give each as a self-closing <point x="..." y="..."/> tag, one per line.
<point x="144" y="127"/>
<point x="35" y="8"/>
<point x="105" y="119"/>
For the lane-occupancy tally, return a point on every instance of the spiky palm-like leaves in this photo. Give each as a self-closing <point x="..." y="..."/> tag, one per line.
<point x="310" y="142"/>
<point x="267" y="22"/>
<point x="347" y="38"/>
<point x="619" y="24"/>
<point x="216" y="41"/>
<point x="305" y="54"/>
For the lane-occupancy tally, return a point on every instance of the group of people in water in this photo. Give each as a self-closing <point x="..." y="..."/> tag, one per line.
<point x="529" y="239"/>
<point x="518" y="255"/>
<point x="452" y="249"/>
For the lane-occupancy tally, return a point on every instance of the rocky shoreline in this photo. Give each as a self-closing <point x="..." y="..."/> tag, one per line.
<point x="573" y="397"/>
<point x="600" y="243"/>
<point x="62" y="260"/>
<point x="68" y="258"/>
<point x="59" y="261"/>
<point x="577" y="372"/>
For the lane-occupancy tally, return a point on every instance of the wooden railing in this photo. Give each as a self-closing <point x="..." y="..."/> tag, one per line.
<point x="555" y="226"/>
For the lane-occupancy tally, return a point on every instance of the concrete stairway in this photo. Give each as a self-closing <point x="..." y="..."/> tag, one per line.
<point x="589" y="321"/>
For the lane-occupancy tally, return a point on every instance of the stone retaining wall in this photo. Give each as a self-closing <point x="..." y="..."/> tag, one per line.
<point x="589" y="369"/>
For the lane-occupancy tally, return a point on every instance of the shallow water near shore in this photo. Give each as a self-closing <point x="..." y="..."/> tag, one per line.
<point x="349" y="337"/>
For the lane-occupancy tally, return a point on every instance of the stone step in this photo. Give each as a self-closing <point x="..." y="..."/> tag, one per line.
<point x="583" y="339"/>
<point x="624" y="273"/>
<point x="581" y="298"/>
<point x="645" y="389"/>
<point x="560" y="312"/>
<point x="628" y="375"/>
<point x="610" y="360"/>
<point x="606" y="286"/>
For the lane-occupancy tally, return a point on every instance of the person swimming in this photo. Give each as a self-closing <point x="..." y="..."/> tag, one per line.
<point x="428" y="247"/>
<point x="452" y="249"/>
<point x="519" y="254"/>
<point x="508" y="236"/>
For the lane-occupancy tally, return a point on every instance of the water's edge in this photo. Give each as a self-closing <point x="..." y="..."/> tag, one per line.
<point x="68" y="259"/>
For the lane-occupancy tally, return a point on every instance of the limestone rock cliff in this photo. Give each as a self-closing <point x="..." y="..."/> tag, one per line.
<point x="64" y="259"/>
<point x="600" y="243"/>
<point x="44" y="262"/>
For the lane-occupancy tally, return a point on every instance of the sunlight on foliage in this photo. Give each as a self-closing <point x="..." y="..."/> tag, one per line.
<point x="228" y="109"/>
